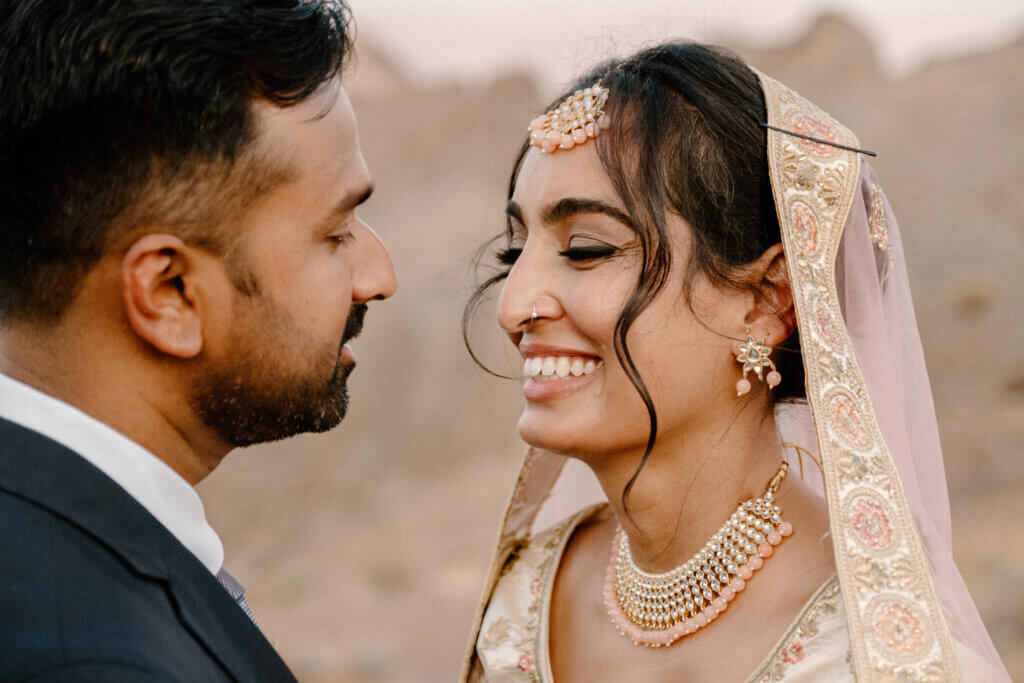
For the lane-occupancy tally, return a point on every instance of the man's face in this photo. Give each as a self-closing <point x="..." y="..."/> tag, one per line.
<point x="276" y="364"/>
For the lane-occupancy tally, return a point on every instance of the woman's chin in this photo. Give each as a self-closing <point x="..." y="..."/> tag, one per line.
<point x="549" y="433"/>
<point x="541" y="433"/>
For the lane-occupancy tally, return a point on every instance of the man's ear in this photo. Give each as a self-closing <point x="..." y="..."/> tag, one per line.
<point x="771" y="316"/>
<point x="157" y="284"/>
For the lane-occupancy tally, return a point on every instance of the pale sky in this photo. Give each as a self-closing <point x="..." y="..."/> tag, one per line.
<point x="471" y="40"/>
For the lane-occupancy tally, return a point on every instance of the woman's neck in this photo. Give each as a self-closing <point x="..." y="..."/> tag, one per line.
<point x="692" y="481"/>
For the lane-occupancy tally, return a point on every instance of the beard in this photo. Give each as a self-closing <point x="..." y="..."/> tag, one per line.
<point x="267" y="387"/>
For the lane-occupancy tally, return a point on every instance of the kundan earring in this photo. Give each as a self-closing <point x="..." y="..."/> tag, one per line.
<point x="754" y="356"/>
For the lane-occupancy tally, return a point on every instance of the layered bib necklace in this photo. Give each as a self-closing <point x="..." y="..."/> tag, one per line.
<point x="656" y="610"/>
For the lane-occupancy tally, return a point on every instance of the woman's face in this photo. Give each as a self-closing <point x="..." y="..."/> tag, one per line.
<point x="576" y="265"/>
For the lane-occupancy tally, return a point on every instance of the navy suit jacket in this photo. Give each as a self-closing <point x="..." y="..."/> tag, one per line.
<point x="94" y="588"/>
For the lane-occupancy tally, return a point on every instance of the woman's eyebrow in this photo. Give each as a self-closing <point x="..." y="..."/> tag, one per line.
<point x="566" y="208"/>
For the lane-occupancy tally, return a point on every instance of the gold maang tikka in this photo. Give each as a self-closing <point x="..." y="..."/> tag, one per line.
<point x="577" y="119"/>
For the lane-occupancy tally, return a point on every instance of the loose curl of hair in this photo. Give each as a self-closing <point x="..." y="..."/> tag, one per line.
<point x="684" y="138"/>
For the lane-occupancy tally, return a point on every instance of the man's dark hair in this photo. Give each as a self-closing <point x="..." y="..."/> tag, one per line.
<point x="115" y="114"/>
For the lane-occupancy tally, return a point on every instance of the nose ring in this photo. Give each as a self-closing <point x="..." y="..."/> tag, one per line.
<point x="533" y="316"/>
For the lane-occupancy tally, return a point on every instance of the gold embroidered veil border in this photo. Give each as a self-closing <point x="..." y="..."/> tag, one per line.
<point x="898" y="624"/>
<point x="814" y="186"/>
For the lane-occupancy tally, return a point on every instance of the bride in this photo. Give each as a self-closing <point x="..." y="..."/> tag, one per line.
<point x="734" y="470"/>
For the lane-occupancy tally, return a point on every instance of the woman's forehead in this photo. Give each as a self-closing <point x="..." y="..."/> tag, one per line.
<point x="545" y="179"/>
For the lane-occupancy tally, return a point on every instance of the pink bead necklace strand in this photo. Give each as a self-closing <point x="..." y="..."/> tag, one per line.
<point x="656" y="610"/>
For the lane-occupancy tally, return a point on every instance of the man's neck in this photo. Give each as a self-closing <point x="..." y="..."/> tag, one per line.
<point x="102" y="381"/>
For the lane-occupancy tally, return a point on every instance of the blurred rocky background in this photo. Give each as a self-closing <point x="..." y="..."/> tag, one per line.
<point x="364" y="550"/>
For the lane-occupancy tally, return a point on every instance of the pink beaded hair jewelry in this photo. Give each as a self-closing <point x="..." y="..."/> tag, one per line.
<point x="577" y="119"/>
<point x="754" y="356"/>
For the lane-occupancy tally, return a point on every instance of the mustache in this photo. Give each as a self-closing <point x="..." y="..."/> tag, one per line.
<point x="354" y="324"/>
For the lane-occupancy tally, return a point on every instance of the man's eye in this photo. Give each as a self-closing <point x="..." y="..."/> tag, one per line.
<point x="589" y="252"/>
<point x="508" y="255"/>
<point x="342" y="238"/>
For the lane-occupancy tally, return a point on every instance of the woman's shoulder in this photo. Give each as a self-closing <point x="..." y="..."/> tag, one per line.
<point x="816" y="646"/>
<point x="509" y="638"/>
<point x="547" y="544"/>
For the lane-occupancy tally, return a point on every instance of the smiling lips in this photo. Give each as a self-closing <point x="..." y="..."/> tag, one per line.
<point x="551" y="377"/>
<point x="546" y="368"/>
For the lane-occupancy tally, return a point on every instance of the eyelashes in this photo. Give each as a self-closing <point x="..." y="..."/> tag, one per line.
<point x="589" y="253"/>
<point x="509" y="255"/>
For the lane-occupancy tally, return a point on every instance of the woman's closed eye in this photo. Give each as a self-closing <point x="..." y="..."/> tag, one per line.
<point x="589" y="252"/>
<point x="508" y="255"/>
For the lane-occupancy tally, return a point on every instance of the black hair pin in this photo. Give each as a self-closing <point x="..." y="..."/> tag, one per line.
<point x="818" y="140"/>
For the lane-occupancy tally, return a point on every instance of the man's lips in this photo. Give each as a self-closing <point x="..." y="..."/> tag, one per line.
<point x="346" y="355"/>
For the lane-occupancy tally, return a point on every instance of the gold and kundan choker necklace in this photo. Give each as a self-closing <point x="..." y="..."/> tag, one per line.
<point x="656" y="610"/>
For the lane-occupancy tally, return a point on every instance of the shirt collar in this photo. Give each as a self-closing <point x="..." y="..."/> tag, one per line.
<point x="148" y="479"/>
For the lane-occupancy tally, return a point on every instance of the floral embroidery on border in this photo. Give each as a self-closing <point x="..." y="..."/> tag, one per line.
<point x="868" y="519"/>
<point x="791" y="649"/>
<point x="831" y="187"/>
<point x="793" y="653"/>
<point x="496" y="633"/>
<point x="798" y="168"/>
<point x="523" y="637"/>
<point x="846" y="420"/>
<point x="823" y="316"/>
<point x="879" y="228"/>
<point x="806" y="226"/>
<point x="897" y="628"/>
<point x="833" y="367"/>
<point x="807" y="125"/>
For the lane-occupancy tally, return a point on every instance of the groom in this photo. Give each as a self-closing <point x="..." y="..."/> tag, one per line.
<point x="181" y="264"/>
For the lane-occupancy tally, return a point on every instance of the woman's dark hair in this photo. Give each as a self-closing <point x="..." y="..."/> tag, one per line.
<point x="117" y="112"/>
<point x="684" y="138"/>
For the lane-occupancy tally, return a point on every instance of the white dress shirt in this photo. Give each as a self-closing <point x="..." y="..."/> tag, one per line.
<point x="146" y="478"/>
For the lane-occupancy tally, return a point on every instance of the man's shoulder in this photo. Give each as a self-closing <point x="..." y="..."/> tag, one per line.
<point x="67" y="601"/>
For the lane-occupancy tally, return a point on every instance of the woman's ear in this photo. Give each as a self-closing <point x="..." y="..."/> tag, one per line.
<point x="160" y="298"/>
<point x="771" y="316"/>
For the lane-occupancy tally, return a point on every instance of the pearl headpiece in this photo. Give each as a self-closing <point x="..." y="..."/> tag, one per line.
<point x="577" y="119"/>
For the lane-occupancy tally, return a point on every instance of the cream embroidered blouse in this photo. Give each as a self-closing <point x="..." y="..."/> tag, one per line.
<point x="512" y="643"/>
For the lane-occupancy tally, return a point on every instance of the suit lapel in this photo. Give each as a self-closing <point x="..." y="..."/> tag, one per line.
<point x="39" y="469"/>
<point x="214" y="617"/>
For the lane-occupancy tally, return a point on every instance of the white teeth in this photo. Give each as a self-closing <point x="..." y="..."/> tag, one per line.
<point x="558" y="367"/>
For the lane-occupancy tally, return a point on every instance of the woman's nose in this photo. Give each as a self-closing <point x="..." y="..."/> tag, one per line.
<point x="525" y="297"/>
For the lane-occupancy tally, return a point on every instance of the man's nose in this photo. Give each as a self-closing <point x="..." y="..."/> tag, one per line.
<point x="373" y="273"/>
